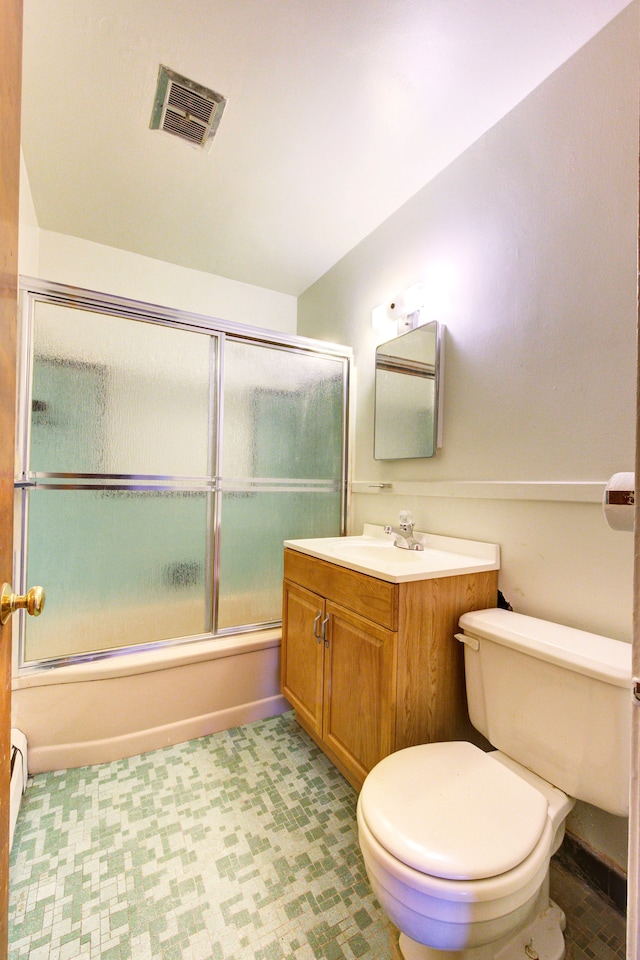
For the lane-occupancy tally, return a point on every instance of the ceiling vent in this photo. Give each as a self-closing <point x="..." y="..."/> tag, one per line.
<point x="186" y="109"/>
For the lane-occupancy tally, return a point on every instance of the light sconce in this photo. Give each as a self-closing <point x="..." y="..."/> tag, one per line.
<point x="430" y="299"/>
<point x="403" y="310"/>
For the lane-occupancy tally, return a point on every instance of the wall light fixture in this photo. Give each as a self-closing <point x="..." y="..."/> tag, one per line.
<point x="430" y="299"/>
<point x="402" y="310"/>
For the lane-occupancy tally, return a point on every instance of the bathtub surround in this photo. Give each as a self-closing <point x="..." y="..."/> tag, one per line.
<point x="537" y="222"/>
<point x="240" y="846"/>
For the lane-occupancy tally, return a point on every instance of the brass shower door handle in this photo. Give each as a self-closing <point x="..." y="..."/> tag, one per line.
<point x="32" y="602"/>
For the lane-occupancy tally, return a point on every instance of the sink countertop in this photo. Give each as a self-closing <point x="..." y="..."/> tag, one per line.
<point x="373" y="553"/>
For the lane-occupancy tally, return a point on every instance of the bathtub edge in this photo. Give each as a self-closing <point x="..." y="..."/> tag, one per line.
<point x="154" y="659"/>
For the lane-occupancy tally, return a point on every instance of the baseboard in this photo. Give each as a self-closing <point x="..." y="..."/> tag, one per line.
<point x="603" y="877"/>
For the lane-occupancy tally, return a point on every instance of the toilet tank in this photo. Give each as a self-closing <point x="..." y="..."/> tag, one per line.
<point x="556" y="699"/>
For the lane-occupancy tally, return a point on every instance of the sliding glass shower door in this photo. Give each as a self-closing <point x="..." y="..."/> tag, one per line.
<point x="118" y="493"/>
<point x="162" y="463"/>
<point x="280" y="470"/>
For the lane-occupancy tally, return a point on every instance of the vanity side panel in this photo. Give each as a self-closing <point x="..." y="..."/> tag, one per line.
<point x="367" y="596"/>
<point x="431" y="703"/>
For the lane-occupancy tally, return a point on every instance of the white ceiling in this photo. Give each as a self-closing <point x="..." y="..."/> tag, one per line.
<point x="338" y="111"/>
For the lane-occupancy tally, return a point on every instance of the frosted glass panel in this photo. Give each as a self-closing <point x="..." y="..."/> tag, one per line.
<point x="112" y="395"/>
<point x="253" y="528"/>
<point x="130" y="489"/>
<point x="283" y="413"/>
<point x="119" y="567"/>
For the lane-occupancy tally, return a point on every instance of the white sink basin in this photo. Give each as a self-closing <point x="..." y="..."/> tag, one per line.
<point x="375" y="554"/>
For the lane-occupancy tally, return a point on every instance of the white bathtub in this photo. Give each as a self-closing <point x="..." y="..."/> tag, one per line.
<point x="108" y="709"/>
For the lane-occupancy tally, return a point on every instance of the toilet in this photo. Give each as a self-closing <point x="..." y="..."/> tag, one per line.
<point x="457" y="841"/>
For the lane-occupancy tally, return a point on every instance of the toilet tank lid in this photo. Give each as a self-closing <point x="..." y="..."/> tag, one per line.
<point x="587" y="653"/>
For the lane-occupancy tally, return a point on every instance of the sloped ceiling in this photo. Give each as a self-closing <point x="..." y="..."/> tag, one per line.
<point x="338" y="112"/>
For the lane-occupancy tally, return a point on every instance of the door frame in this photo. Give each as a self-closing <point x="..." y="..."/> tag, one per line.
<point x="10" y="103"/>
<point x="633" y="858"/>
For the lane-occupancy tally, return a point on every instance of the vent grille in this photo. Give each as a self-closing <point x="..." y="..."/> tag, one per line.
<point x="183" y="127"/>
<point x="186" y="109"/>
<point x="190" y="102"/>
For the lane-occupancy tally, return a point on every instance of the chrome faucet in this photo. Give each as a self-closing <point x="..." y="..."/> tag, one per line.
<point x="404" y="538"/>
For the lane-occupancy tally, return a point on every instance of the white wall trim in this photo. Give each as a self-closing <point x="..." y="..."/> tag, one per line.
<point x="581" y="491"/>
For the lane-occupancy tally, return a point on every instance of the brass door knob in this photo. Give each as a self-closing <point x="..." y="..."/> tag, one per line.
<point x="32" y="602"/>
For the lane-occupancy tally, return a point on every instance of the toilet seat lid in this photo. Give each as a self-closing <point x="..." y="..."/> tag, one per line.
<point x="449" y="810"/>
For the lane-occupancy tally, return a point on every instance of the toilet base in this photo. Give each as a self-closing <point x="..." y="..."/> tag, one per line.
<point x="539" y="939"/>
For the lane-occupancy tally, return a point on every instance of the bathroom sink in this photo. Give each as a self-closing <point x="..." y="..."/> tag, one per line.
<point x="375" y="554"/>
<point x="374" y="550"/>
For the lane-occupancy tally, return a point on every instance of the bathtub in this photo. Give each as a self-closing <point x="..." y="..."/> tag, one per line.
<point x="103" y="710"/>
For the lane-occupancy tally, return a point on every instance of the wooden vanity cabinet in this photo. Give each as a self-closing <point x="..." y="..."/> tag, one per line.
<point x="371" y="666"/>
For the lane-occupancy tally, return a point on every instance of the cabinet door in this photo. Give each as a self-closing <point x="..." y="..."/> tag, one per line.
<point x="359" y="690"/>
<point x="302" y="655"/>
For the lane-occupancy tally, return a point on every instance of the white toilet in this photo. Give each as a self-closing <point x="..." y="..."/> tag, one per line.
<point x="457" y="841"/>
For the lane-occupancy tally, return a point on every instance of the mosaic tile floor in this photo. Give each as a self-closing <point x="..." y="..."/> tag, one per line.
<point x="238" y="846"/>
<point x="595" y="930"/>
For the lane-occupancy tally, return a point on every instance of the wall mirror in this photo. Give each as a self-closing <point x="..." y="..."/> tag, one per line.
<point x="408" y="389"/>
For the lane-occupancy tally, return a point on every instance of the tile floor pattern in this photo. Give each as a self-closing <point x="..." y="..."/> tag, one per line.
<point x="595" y="930"/>
<point x="237" y="846"/>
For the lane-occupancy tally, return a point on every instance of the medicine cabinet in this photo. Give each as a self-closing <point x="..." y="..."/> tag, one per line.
<point x="408" y="394"/>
